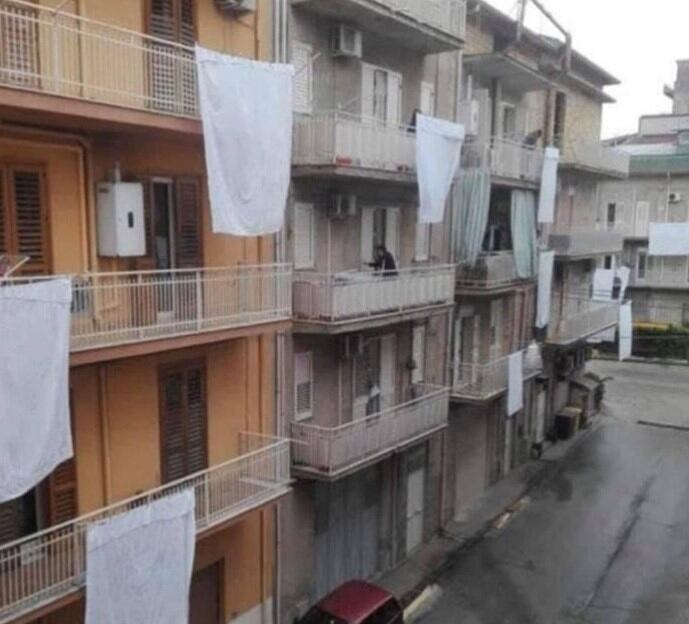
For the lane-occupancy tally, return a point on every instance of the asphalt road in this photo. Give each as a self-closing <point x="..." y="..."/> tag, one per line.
<point x="605" y="540"/>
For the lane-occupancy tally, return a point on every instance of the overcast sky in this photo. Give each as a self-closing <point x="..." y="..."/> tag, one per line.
<point x="636" y="41"/>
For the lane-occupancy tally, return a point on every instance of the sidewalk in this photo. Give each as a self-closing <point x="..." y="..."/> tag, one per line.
<point x="411" y="577"/>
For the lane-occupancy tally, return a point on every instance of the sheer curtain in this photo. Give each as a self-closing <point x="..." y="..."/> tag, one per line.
<point x="472" y="197"/>
<point x="524" y="233"/>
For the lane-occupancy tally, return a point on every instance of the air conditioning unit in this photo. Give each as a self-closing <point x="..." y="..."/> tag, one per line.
<point x="342" y="206"/>
<point x="674" y="198"/>
<point x="346" y="41"/>
<point x="236" y="6"/>
<point x="352" y="346"/>
<point x="121" y="228"/>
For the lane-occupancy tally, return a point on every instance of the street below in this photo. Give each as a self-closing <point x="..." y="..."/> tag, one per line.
<point x="605" y="538"/>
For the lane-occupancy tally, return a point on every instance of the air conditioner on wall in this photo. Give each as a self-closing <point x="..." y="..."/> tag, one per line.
<point x="674" y="198"/>
<point x="236" y="6"/>
<point x="342" y="206"/>
<point x="346" y="41"/>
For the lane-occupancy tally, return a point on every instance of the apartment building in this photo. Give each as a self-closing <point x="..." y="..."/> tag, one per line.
<point x="657" y="191"/>
<point x="173" y="328"/>
<point x="369" y="351"/>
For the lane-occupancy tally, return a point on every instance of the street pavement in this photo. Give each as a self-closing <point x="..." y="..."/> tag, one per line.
<point x="605" y="538"/>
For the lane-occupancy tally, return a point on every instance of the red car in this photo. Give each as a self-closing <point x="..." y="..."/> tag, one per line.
<point x="356" y="602"/>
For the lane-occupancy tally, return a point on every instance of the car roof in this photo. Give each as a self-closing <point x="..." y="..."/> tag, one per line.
<point x="354" y="601"/>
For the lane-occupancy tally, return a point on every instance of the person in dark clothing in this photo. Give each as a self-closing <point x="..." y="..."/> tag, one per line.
<point x="384" y="262"/>
<point x="532" y="139"/>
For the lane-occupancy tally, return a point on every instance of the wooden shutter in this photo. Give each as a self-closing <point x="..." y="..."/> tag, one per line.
<point x="303" y="385"/>
<point x="303" y="80"/>
<point x="367" y="73"/>
<point x="303" y="236"/>
<point x="183" y="421"/>
<point x="4" y="207"/>
<point x="394" y="99"/>
<point x="188" y="248"/>
<point x="419" y="353"/>
<point x="427" y="103"/>
<point x="62" y="488"/>
<point x="172" y="20"/>
<point x="147" y="262"/>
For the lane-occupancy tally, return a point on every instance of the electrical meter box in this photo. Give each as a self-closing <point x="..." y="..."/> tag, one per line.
<point x="121" y="228"/>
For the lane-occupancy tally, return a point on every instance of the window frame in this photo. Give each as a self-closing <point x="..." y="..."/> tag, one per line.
<point x="305" y="415"/>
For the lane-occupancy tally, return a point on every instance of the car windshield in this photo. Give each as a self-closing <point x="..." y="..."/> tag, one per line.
<point x="318" y="616"/>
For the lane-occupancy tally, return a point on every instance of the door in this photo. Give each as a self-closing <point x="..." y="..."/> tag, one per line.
<point x="388" y="357"/>
<point x="415" y="497"/>
<point x="509" y="441"/>
<point x="204" y="596"/>
<point x="419" y="354"/>
<point x="427" y="103"/>
<point x="163" y="225"/>
<point x="496" y="329"/>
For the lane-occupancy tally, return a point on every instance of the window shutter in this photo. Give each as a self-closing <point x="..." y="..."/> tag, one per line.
<point x="427" y="103"/>
<point x="147" y="262"/>
<point x="62" y="488"/>
<point x="4" y="208"/>
<point x="367" y="235"/>
<point x="419" y="353"/>
<point x="367" y="73"/>
<point x="303" y="236"/>
<point x="392" y="231"/>
<point x="188" y="223"/>
<point x="423" y="242"/>
<point x="184" y="445"/>
<point x="303" y="385"/>
<point x="12" y="520"/>
<point x="186" y="22"/>
<point x="30" y="220"/>
<point x="303" y="79"/>
<point x="161" y="19"/>
<point x="394" y="100"/>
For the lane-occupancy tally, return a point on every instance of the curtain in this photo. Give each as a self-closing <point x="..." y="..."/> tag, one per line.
<point x="625" y="331"/>
<point x="545" y="287"/>
<point x="472" y="200"/>
<point x="546" y="198"/>
<point x="524" y="233"/>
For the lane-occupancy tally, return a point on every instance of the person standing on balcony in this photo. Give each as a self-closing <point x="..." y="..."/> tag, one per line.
<point x="384" y="262"/>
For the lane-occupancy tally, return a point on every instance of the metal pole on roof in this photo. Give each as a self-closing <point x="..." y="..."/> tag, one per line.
<point x="521" y="18"/>
<point x="567" y="61"/>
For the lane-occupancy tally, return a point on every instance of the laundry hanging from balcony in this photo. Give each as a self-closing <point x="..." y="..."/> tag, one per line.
<point x="139" y="564"/>
<point x="668" y="239"/>
<point x="246" y="111"/>
<point x="438" y="150"/>
<point x="472" y="201"/>
<point x="35" y="432"/>
<point x="546" y="199"/>
<point x="625" y="330"/>
<point x="523" y="217"/>
<point x="515" y="383"/>
<point x="546" y="263"/>
<point x="623" y="274"/>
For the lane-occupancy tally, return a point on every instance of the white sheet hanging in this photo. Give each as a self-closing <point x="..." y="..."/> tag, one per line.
<point x="603" y="282"/>
<point x="438" y="149"/>
<point x="139" y="564"/>
<point x="515" y="383"/>
<point x="35" y="432"/>
<point x="625" y="331"/>
<point x="546" y="198"/>
<point x="668" y="239"/>
<point x="246" y="110"/>
<point x="546" y="261"/>
<point x="623" y="273"/>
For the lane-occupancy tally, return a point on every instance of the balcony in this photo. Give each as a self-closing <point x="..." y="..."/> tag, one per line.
<point x="427" y="26"/>
<point x="586" y="319"/>
<point x="64" y="54"/>
<point x="481" y="382"/>
<point x="47" y="566"/>
<point x="331" y="452"/>
<point x="345" y="302"/>
<point x="494" y="272"/>
<point x="514" y="75"/>
<point x="345" y="144"/>
<point x="115" y="309"/>
<point x="595" y="158"/>
<point x="509" y="160"/>
<point x="583" y="242"/>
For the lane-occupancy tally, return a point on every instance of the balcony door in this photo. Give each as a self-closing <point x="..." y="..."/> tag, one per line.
<point x="467" y="343"/>
<point x="379" y="226"/>
<point x="381" y="95"/>
<point x="205" y="599"/>
<point x="19" y="60"/>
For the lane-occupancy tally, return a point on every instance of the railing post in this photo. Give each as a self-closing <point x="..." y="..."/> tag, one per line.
<point x="199" y="301"/>
<point x="57" y="68"/>
<point x="206" y="500"/>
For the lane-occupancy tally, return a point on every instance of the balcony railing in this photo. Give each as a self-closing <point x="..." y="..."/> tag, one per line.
<point x="332" y="450"/>
<point x="662" y="272"/>
<point x="586" y="319"/>
<point x="584" y="240"/>
<point x="505" y="159"/>
<point x="446" y="15"/>
<point x="351" y="296"/>
<point x="344" y="140"/>
<point x="110" y="309"/>
<point x="595" y="156"/>
<point x="476" y="381"/>
<point x="492" y="270"/>
<point x="49" y="565"/>
<point x="48" y="50"/>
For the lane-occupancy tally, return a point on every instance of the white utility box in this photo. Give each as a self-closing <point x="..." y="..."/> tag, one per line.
<point x="121" y="230"/>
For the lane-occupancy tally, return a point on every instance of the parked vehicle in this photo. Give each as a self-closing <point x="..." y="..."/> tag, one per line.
<point x="356" y="602"/>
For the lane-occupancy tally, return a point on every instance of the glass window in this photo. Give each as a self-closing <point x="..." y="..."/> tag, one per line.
<point x="317" y="616"/>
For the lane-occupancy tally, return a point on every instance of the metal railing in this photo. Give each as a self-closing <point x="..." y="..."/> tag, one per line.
<point x="110" y="309"/>
<point x="52" y="51"/>
<point x="670" y="272"/>
<point x="346" y="140"/>
<point x="505" y="158"/>
<point x="582" y="318"/>
<point x="492" y="270"/>
<point x="48" y="565"/>
<point x="353" y="295"/>
<point x="330" y="450"/>
<point x="593" y="155"/>
<point x="481" y="381"/>
<point x="578" y="240"/>
<point x="446" y="15"/>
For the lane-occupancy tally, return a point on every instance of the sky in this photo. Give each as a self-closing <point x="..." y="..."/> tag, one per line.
<point x="636" y="41"/>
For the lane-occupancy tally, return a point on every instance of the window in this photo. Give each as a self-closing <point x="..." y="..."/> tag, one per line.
<point x="183" y="426"/>
<point x="422" y="245"/>
<point x="559" y="122"/>
<point x="304" y="244"/>
<point x="611" y="215"/>
<point x="381" y="95"/>
<point x="302" y="59"/>
<point x="379" y="226"/>
<point x="303" y="386"/>
<point x="23" y="218"/>
<point x="419" y="354"/>
<point x="509" y="121"/>
<point x="607" y="262"/>
<point x="427" y="103"/>
<point x="19" y="48"/>
<point x="641" y="264"/>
